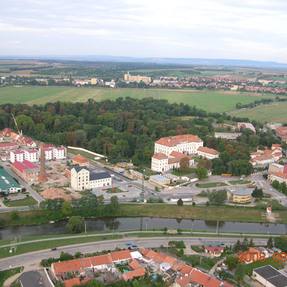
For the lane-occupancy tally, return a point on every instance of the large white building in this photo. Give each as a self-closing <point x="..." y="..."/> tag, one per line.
<point x="187" y="144"/>
<point x="170" y="151"/>
<point x="82" y="178"/>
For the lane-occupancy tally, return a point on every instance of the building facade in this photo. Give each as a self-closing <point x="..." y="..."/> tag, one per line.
<point x="83" y="178"/>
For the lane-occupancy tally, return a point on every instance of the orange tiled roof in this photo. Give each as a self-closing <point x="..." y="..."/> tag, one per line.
<point x="134" y="274"/>
<point x="75" y="281"/>
<point x="134" y="264"/>
<point x="160" y="156"/>
<point x="175" y="140"/>
<point x="121" y="255"/>
<point x="208" y="150"/>
<point x="80" y="159"/>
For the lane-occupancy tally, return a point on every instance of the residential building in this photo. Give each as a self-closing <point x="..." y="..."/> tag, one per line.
<point x="249" y="126"/>
<point x="83" y="178"/>
<point x="137" y="78"/>
<point x="281" y="132"/>
<point x="214" y="251"/>
<point x="17" y="155"/>
<point x="252" y="255"/>
<point x="262" y="158"/>
<point x="277" y="172"/>
<point x="27" y="170"/>
<point x="54" y="153"/>
<point x="31" y="155"/>
<point x="207" y="152"/>
<point x="268" y="276"/>
<point x="240" y="195"/>
<point x="227" y="136"/>
<point x="94" y="81"/>
<point x="137" y="264"/>
<point x="8" y="184"/>
<point x="7" y="146"/>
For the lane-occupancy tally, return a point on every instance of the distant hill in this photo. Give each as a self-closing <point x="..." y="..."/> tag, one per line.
<point x="158" y="60"/>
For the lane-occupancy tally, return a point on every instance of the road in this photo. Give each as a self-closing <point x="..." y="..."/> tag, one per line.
<point x="31" y="260"/>
<point x="261" y="182"/>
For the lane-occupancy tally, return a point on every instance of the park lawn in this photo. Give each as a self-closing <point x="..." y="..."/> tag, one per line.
<point x="239" y="181"/>
<point x="28" y="201"/>
<point x="223" y="213"/>
<point x="209" y="100"/>
<point x="4" y="275"/>
<point x="275" y="112"/>
<point x="210" y="184"/>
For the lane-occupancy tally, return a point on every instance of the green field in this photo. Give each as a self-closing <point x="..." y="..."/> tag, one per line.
<point x="275" y="112"/>
<point x="212" y="101"/>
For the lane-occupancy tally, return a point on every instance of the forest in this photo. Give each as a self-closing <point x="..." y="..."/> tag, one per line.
<point x="125" y="129"/>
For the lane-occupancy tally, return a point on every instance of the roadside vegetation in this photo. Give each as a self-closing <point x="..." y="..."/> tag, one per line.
<point x="4" y="275"/>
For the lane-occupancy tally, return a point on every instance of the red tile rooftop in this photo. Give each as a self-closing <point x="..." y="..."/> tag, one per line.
<point x="208" y="150"/>
<point x="121" y="255"/>
<point x="177" y="154"/>
<point x="25" y="165"/>
<point x="175" y="140"/>
<point x="140" y="272"/>
<point x="160" y="156"/>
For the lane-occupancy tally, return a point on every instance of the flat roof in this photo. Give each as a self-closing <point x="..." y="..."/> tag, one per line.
<point x="272" y="275"/>
<point x="6" y="180"/>
<point x="241" y="191"/>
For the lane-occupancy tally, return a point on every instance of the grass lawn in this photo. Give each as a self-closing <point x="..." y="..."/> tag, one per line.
<point x="4" y="275"/>
<point x="248" y="268"/>
<point x="210" y="184"/>
<point x="239" y="181"/>
<point x="275" y="112"/>
<point x="115" y="190"/>
<point x="213" y="101"/>
<point x="30" y="247"/>
<point x="28" y="201"/>
<point x="187" y="171"/>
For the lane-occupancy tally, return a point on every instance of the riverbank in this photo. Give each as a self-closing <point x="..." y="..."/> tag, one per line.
<point x="218" y="213"/>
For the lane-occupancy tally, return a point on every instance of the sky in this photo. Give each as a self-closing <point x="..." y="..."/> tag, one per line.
<point x="229" y="29"/>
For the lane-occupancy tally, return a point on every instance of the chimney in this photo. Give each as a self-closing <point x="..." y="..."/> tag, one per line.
<point x="42" y="175"/>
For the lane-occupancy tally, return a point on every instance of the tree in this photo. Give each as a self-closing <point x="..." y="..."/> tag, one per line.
<point x="217" y="197"/>
<point x="180" y="202"/>
<point x="270" y="243"/>
<point x="231" y="261"/>
<point x="114" y="205"/>
<point x="14" y="215"/>
<point x="67" y="208"/>
<point x="201" y="172"/>
<point x="281" y="243"/>
<point x="75" y="224"/>
<point x="257" y="192"/>
<point x="184" y="163"/>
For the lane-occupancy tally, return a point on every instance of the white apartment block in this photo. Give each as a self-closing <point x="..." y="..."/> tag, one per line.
<point x="31" y="155"/>
<point x="17" y="155"/>
<point x="82" y="178"/>
<point x="52" y="152"/>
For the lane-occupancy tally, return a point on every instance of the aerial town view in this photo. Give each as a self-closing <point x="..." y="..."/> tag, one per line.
<point x="143" y="143"/>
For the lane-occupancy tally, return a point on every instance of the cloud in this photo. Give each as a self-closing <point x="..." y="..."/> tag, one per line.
<point x="253" y="29"/>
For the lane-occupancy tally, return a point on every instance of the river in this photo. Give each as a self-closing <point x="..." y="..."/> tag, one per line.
<point x="145" y="223"/>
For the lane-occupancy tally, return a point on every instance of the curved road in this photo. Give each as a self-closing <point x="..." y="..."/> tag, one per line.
<point x="31" y="260"/>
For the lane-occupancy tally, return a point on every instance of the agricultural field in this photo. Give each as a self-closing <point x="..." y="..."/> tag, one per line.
<point x="275" y="112"/>
<point x="211" y="101"/>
